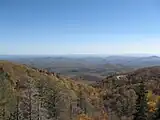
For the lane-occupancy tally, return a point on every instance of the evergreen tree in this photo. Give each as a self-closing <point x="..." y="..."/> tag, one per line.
<point x="4" y="92"/>
<point x="2" y="96"/>
<point x="30" y="102"/>
<point x="70" y="109"/>
<point x="81" y="101"/>
<point x="6" y="96"/>
<point x="51" y="103"/>
<point x="17" y="100"/>
<point x="39" y="95"/>
<point x="13" y="116"/>
<point x="141" y="112"/>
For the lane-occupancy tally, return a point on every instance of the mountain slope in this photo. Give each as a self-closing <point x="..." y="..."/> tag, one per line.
<point x="119" y="90"/>
<point x="27" y="93"/>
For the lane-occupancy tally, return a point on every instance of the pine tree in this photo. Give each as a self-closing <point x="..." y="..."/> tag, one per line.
<point x="17" y="100"/>
<point x="70" y="109"/>
<point x="81" y="101"/>
<point x="30" y="102"/>
<point x="6" y="96"/>
<point x="13" y="116"/>
<point x="39" y="95"/>
<point x="141" y="112"/>
<point x="51" y="102"/>
<point x="2" y="105"/>
<point x="4" y="77"/>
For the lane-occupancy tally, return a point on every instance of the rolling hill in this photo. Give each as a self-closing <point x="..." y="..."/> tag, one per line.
<point x="32" y="93"/>
<point x="28" y="93"/>
<point x="72" y="66"/>
<point x="119" y="90"/>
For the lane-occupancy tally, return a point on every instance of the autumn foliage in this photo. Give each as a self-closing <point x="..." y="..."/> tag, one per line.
<point x="104" y="116"/>
<point x="152" y="101"/>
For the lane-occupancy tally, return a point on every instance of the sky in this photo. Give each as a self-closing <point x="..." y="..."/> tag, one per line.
<point x="49" y="27"/>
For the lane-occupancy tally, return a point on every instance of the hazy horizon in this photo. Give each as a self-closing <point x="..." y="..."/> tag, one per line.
<point x="80" y="55"/>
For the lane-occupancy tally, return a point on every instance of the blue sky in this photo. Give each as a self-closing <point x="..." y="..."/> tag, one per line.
<point x="79" y="26"/>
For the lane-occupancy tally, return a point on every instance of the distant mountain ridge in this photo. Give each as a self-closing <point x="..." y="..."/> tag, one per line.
<point x="136" y="62"/>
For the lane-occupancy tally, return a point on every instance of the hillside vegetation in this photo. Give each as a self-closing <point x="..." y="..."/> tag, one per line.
<point x="120" y="91"/>
<point x="27" y="94"/>
<point x="36" y="94"/>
